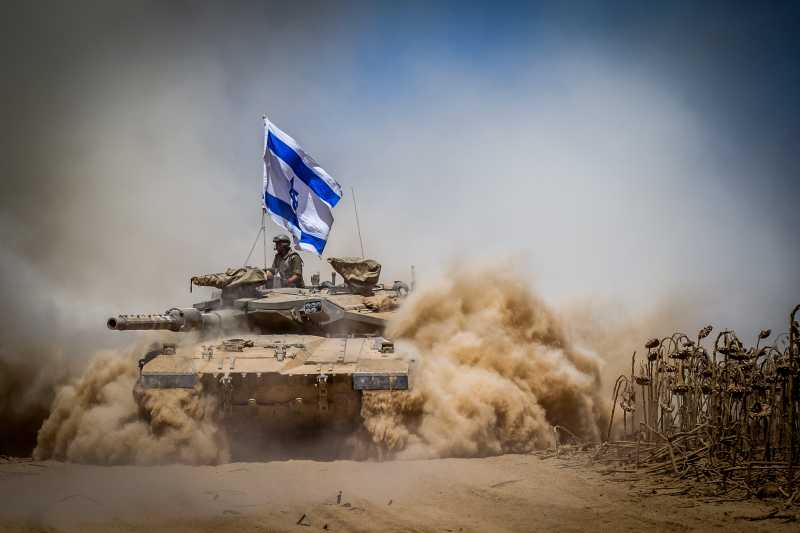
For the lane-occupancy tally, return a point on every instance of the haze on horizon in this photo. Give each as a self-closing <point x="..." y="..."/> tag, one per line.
<point x="624" y="154"/>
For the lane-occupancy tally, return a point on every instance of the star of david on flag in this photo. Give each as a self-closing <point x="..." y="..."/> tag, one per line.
<point x="298" y="194"/>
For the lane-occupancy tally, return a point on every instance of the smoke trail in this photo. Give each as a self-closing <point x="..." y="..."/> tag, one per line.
<point x="98" y="419"/>
<point x="496" y="372"/>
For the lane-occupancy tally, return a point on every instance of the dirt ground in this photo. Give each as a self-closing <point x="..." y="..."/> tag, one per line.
<point x="505" y="493"/>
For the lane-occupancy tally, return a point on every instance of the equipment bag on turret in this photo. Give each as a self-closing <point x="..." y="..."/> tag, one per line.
<point x="233" y="277"/>
<point x="360" y="274"/>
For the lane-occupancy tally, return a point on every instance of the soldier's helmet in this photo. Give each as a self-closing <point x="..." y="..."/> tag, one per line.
<point x="282" y="238"/>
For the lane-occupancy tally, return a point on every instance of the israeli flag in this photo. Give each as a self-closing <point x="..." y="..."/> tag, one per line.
<point x="298" y="193"/>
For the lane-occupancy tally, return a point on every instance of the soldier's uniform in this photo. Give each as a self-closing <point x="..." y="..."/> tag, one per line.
<point x="287" y="265"/>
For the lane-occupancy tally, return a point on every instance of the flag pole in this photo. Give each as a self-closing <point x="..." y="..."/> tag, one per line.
<point x="264" y="191"/>
<point x="264" y="233"/>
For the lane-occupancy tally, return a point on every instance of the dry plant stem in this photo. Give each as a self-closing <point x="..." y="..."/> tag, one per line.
<point x="724" y="416"/>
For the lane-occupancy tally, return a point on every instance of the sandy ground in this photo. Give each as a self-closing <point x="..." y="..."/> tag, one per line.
<point x="506" y="493"/>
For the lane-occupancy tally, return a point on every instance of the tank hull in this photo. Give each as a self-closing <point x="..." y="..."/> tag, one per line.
<point x="281" y="382"/>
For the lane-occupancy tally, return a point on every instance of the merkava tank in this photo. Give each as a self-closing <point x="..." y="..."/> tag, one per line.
<point x="280" y="357"/>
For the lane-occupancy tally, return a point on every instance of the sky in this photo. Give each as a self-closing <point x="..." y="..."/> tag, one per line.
<point x="619" y="152"/>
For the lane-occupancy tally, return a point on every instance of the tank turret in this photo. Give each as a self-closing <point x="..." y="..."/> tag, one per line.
<point x="359" y="306"/>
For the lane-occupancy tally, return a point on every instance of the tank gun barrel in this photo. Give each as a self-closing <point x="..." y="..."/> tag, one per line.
<point x="126" y="322"/>
<point x="174" y="319"/>
<point x="178" y="319"/>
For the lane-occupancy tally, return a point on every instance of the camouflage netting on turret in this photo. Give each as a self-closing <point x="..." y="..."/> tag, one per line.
<point x="233" y="277"/>
<point x="360" y="274"/>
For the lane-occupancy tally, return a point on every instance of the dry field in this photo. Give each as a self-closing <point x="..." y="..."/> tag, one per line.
<point x="503" y="493"/>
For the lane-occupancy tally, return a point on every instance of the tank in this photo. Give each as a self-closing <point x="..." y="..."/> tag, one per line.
<point x="280" y="357"/>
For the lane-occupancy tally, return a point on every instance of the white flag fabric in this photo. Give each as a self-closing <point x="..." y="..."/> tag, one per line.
<point x="298" y="193"/>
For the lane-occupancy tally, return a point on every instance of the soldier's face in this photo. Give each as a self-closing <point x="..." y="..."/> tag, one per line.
<point x="281" y="247"/>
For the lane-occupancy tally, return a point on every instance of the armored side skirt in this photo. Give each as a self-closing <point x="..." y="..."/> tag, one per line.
<point x="168" y="381"/>
<point x="380" y="382"/>
<point x="361" y="381"/>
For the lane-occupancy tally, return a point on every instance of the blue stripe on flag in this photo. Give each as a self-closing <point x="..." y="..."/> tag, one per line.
<point x="284" y="210"/>
<point x="291" y="158"/>
<point x="316" y="242"/>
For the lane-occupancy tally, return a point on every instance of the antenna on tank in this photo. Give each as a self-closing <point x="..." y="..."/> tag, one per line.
<point x="262" y="231"/>
<point x="358" y="224"/>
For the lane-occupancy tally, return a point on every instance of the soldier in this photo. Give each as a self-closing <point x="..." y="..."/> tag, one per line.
<point x="287" y="263"/>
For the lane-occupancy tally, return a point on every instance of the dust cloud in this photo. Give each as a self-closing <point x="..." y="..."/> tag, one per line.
<point x="496" y="371"/>
<point x="27" y="383"/>
<point x="101" y="418"/>
<point x="617" y="332"/>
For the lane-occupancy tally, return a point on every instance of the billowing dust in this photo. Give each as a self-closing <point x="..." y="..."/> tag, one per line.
<point x="28" y="380"/>
<point x="496" y="371"/>
<point x="101" y="419"/>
